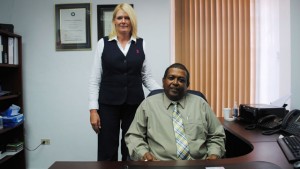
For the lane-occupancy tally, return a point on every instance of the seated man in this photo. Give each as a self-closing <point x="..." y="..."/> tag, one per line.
<point x="175" y="125"/>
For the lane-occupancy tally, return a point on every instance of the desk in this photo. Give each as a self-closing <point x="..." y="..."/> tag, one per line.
<point x="265" y="148"/>
<point x="264" y="153"/>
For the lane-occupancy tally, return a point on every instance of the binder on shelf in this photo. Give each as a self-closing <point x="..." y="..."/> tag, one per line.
<point x="16" y="54"/>
<point x="1" y="49"/>
<point x="4" y="56"/>
<point x="10" y="50"/>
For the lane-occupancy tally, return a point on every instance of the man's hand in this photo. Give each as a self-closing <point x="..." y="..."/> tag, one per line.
<point x="212" y="157"/>
<point x="149" y="157"/>
<point x="95" y="120"/>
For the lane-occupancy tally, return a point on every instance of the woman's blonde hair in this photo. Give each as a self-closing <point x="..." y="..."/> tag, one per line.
<point x="129" y="10"/>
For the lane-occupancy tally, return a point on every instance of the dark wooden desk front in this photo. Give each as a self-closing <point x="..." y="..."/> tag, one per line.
<point x="264" y="153"/>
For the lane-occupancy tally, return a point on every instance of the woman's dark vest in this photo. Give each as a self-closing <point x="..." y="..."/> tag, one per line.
<point x="121" y="80"/>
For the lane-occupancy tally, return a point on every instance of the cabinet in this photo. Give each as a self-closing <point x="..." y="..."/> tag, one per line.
<point x="11" y="80"/>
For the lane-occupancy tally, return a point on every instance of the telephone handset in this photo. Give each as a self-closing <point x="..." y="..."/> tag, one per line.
<point x="291" y="122"/>
<point x="269" y="122"/>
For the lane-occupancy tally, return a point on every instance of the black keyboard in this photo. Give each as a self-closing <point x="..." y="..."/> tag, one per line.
<point x="291" y="147"/>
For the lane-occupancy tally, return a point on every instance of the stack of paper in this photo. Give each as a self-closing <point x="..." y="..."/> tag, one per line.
<point x="14" y="147"/>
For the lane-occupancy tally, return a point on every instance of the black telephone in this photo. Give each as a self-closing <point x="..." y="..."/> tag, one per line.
<point x="290" y="123"/>
<point x="269" y="122"/>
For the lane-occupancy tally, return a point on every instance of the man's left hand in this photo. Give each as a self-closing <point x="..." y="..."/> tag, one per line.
<point x="149" y="157"/>
<point x="212" y="157"/>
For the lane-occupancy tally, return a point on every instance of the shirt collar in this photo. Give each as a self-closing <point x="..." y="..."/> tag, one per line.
<point x="116" y="39"/>
<point x="168" y="102"/>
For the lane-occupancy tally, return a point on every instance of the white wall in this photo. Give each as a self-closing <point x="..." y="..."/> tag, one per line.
<point x="56" y="83"/>
<point x="295" y="52"/>
<point x="284" y="54"/>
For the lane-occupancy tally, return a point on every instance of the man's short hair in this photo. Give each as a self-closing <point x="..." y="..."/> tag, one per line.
<point x="179" y="66"/>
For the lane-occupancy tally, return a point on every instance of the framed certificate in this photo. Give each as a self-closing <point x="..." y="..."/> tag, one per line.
<point x="104" y="19"/>
<point x="73" y="26"/>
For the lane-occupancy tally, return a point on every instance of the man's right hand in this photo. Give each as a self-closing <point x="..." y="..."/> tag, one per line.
<point x="95" y="120"/>
<point x="149" y="157"/>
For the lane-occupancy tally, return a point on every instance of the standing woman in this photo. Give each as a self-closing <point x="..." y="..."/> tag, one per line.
<point x="119" y="71"/>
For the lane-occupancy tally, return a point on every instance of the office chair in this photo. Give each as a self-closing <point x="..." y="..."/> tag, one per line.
<point x="153" y="92"/>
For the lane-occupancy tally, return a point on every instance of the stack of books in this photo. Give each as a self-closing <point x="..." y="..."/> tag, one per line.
<point x="11" y="149"/>
<point x="14" y="147"/>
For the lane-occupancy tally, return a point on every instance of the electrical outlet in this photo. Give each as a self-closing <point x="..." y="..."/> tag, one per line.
<point x="45" y="141"/>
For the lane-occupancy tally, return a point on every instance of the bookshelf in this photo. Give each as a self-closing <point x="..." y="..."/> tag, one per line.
<point x="11" y="80"/>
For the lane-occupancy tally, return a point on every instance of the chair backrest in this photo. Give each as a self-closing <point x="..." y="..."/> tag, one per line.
<point x="153" y="92"/>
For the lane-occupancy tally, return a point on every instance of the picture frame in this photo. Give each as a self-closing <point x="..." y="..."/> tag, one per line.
<point x="73" y="31"/>
<point x="104" y="19"/>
